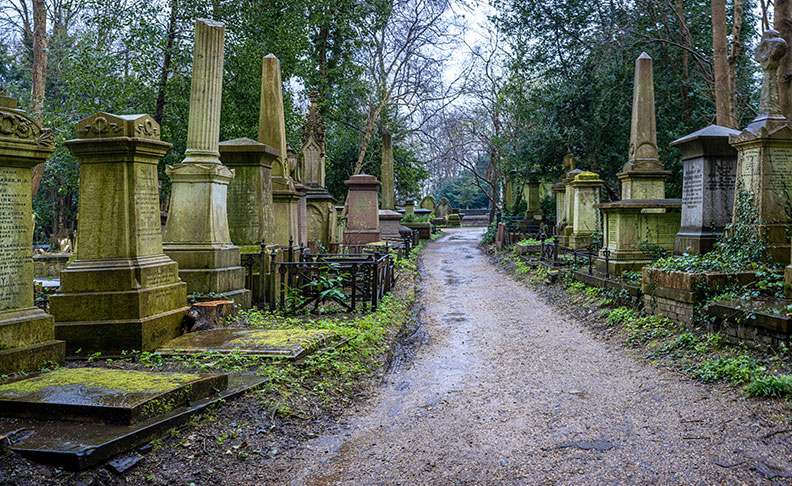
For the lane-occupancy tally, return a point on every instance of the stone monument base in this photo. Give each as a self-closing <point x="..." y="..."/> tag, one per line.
<point x="390" y="221"/>
<point x="321" y="219"/>
<point x="695" y="243"/>
<point x="636" y="228"/>
<point x="111" y="305"/>
<point x="579" y="241"/>
<point x="355" y="240"/>
<point x="284" y="208"/>
<point x="208" y="268"/>
<point x="29" y="337"/>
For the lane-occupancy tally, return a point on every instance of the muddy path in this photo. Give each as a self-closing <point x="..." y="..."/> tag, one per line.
<point x="507" y="389"/>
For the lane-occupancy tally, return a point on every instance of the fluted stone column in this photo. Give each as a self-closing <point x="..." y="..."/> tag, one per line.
<point x="121" y="292"/>
<point x="272" y="132"/>
<point x="196" y="232"/>
<point x="26" y="332"/>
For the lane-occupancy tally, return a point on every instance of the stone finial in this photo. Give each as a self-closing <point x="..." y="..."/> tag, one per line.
<point x="206" y="89"/>
<point x="768" y="54"/>
<point x="107" y="125"/>
<point x="272" y="125"/>
<point x="643" y="133"/>
<point x="314" y="126"/>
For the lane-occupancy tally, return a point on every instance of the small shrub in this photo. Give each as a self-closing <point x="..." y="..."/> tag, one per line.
<point x="734" y="370"/>
<point x="769" y="386"/>
<point x="619" y="315"/>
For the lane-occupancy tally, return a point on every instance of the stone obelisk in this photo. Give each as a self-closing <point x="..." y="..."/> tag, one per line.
<point x="643" y="176"/>
<point x="272" y="132"/>
<point x="196" y="232"/>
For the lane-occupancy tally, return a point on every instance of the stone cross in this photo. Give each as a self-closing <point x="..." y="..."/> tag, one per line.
<point x="768" y="54"/>
<point x="643" y="133"/>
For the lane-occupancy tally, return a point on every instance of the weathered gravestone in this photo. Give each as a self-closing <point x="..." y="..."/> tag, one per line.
<point x="508" y="191"/>
<point x="585" y="194"/>
<point x="121" y="292"/>
<point x="428" y="202"/>
<point x="764" y="160"/>
<point x="643" y="222"/>
<point x="26" y="332"/>
<point x="531" y="196"/>
<point x="569" y="206"/>
<point x="250" y="216"/>
<point x="196" y="232"/>
<point x="707" y="188"/>
<point x="362" y="225"/>
<point x="320" y="204"/>
<point x="560" y="193"/>
<point x="443" y="209"/>
<point x="272" y="132"/>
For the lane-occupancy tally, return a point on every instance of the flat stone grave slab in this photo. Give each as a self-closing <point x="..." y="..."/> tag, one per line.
<point x="274" y="343"/>
<point x="110" y="396"/>
<point x="77" y="446"/>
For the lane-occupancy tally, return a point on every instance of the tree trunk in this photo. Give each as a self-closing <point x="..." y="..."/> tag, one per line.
<point x="782" y="22"/>
<point x="39" y="75"/>
<point x="721" y="64"/>
<point x="734" y="54"/>
<point x="159" y="107"/>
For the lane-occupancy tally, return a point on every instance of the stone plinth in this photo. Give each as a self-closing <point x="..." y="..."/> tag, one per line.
<point x="409" y="208"/>
<point x="508" y="193"/>
<point x="362" y="223"/>
<point x="389" y="223"/>
<point x="27" y="333"/>
<point x="196" y="233"/>
<point x="633" y="228"/>
<point x="707" y="188"/>
<point x="121" y="292"/>
<point x="585" y="194"/>
<point x="250" y="215"/>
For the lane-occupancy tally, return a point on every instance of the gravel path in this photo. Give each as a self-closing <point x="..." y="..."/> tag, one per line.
<point x="510" y="390"/>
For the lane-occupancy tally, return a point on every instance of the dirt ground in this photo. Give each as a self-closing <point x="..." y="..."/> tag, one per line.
<point x="500" y="386"/>
<point x="511" y="390"/>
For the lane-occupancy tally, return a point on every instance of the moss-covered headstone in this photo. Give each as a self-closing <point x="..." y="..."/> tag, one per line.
<point x="26" y="332"/>
<point x="585" y="194"/>
<point x="196" y="233"/>
<point x="121" y="292"/>
<point x="362" y="225"/>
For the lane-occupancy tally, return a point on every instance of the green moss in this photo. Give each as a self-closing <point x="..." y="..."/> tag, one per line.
<point x="127" y="381"/>
<point x="279" y="337"/>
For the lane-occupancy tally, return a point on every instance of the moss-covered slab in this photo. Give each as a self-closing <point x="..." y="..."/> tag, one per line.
<point x="276" y="343"/>
<point x="102" y="395"/>
<point x="78" y="446"/>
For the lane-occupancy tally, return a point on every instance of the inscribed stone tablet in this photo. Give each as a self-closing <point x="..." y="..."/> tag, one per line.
<point x="16" y="233"/>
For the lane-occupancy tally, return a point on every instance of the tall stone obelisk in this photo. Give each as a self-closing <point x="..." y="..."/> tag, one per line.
<point x="643" y="176"/>
<point x="196" y="232"/>
<point x="272" y="132"/>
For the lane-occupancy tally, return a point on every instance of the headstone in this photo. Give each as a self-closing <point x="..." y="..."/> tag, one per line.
<point x="643" y="223"/>
<point x="559" y="188"/>
<point x="302" y="214"/>
<point x="585" y="194"/>
<point x="764" y="155"/>
<point x="643" y="176"/>
<point x="428" y="202"/>
<point x="388" y="190"/>
<point x="196" y="232"/>
<point x="272" y="132"/>
<point x="320" y="204"/>
<point x="250" y="216"/>
<point x="569" y="206"/>
<point x="362" y="224"/>
<point x="121" y="292"/>
<point x="443" y="209"/>
<point x="707" y="188"/>
<point x="26" y="332"/>
<point x="389" y="224"/>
